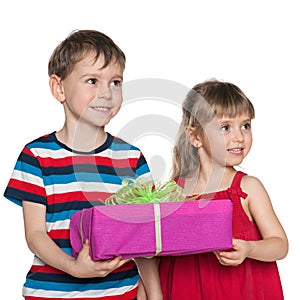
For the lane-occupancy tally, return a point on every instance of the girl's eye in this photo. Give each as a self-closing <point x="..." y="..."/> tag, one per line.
<point x="247" y="126"/>
<point x="225" y="128"/>
<point x="116" y="83"/>
<point x="91" y="81"/>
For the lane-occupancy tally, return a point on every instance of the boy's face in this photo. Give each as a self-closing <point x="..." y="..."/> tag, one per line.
<point x="92" y="95"/>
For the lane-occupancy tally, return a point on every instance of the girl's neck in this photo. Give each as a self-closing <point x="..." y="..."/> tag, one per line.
<point x="211" y="180"/>
<point x="83" y="139"/>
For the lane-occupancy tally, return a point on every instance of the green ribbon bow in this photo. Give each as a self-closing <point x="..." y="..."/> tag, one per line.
<point x="137" y="192"/>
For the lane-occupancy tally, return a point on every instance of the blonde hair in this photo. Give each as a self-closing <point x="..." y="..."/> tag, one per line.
<point x="212" y="98"/>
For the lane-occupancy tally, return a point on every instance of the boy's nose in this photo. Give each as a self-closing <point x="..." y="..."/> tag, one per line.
<point x="104" y="92"/>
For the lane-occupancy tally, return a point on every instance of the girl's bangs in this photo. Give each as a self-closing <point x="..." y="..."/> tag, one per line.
<point x="233" y="109"/>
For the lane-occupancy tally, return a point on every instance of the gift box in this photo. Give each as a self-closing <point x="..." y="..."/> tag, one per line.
<point x="149" y="229"/>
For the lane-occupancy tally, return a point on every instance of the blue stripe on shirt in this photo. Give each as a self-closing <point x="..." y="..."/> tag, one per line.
<point x="82" y="177"/>
<point x="69" y="287"/>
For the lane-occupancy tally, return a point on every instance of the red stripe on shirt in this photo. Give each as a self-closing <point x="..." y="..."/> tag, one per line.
<point x="76" y="160"/>
<point x="78" y="196"/>
<point x="49" y="269"/>
<point x="45" y="269"/>
<point x="27" y="187"/>
<point x="59" y="234"/>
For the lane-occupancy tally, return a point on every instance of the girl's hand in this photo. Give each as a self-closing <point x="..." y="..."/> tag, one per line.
<point x="85" y="267"/>
<point x="235" y="256"/>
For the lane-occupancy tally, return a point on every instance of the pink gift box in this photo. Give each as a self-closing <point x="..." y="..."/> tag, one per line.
<point x="145" y="230"/>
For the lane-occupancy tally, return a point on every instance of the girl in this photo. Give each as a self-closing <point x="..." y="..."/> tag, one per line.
<point x="214" y="137"/>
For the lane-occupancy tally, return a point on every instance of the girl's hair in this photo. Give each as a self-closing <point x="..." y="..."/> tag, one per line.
<point x="77" y="45"/>
<point x="203" y="102"/>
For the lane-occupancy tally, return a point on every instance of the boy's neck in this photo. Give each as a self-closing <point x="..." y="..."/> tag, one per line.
<point x="82" y="139"/>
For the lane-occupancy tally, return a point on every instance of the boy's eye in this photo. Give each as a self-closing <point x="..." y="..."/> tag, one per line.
<point x="91" y="81"/>
<point x="116" y="83"/>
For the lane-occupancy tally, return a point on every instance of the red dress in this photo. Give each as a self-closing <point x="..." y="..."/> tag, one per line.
<point x="202" y="277"/>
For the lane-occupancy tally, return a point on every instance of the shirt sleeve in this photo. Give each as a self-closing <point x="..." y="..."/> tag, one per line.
<point x="26" y="182"/>
<point x="142" y="169"/>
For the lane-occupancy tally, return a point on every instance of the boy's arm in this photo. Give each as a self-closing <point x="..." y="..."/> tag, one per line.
<point x="148" y="269"/>
<point x="44" y="247"/>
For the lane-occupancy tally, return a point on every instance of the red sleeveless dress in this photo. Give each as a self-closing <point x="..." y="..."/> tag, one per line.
<point x="202" y="277"/>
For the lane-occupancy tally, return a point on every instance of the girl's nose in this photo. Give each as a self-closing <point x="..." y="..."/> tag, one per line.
<point x="238" y="136"/>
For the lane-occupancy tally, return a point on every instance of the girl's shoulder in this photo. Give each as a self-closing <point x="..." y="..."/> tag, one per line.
<point x="249" y="180"/>
<point x="251" y="184"/>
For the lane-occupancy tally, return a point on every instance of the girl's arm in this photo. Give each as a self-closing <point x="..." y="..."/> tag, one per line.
<point x="149" y="287"/>
<point x="141" y="293"/>
<point x="274" y="243"/>
<point x="44" y="247"/>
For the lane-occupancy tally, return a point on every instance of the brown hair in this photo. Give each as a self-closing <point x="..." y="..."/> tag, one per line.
<point x="203" y="102"/>
<point x="76" y="45"/>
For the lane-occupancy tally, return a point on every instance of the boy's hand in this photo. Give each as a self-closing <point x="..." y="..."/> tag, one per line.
<point x="235" y="256"/>
<point x="84" y="267"/>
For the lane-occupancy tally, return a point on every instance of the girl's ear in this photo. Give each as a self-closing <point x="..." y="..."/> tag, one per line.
<point x="195" y="139"/>
<point x="56" y="88"/>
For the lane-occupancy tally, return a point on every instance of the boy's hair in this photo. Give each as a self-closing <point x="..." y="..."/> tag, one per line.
<point x="203" y="102"/>
<point x="77" y="45"/>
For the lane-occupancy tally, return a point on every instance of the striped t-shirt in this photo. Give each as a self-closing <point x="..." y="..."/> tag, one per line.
<point x="66" y="181"/>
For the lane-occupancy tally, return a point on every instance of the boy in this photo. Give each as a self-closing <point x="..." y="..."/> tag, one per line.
<point x="73" y="168"/>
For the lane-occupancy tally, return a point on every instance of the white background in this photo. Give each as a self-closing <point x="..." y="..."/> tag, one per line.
<point x="254" y="44"/>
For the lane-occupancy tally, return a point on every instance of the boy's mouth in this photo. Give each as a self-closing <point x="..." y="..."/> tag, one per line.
<point x="101" y="108"/>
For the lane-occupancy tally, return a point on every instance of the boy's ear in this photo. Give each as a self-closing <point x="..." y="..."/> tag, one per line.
<point x="195" y="139"/>
<point x="56" y="88"/>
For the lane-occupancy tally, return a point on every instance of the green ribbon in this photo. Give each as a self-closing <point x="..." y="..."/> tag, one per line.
<point x="157" y="228"/>
<point x="137" y="192"/>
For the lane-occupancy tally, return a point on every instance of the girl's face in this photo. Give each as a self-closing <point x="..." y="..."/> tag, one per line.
<point x="227" y="141"/>
<point x="92" y="95"/>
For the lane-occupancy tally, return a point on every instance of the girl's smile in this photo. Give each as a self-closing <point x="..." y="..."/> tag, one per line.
<point x="236" y="151"/>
